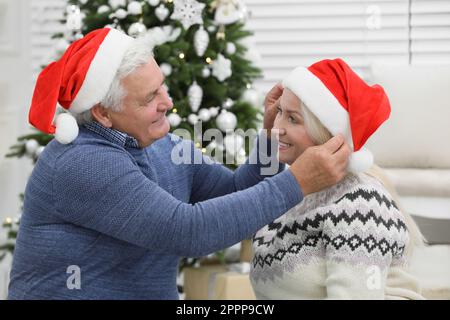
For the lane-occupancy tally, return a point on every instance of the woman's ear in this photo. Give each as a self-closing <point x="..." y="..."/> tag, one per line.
<point x="101" y="115"/>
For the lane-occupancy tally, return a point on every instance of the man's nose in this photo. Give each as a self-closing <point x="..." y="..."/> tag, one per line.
<point x="167" y="102"/>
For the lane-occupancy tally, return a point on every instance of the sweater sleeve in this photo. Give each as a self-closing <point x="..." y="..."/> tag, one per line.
<point x="362" y="238"/>
<point x="261" y="163"/>
<point x="105" y="191"/>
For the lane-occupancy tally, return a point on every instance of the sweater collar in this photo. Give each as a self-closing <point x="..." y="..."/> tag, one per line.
<point x="112" y="135"/>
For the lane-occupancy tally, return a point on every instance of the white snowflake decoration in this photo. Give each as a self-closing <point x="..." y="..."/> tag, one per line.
<point x="221" y="67"/>
<point x="188" y="12"/>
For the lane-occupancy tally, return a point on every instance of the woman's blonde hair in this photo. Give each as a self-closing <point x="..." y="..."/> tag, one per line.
<point x="319" y="134"/>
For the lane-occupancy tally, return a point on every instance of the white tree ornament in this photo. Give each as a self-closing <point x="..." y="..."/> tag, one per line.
<point x="228" y="103"/>
<point x="226" y="121"/>
<point x="166" y="69"/>
<point x="230" y="11"/>
<point x="103" y="9"/>
<point x="136" y="29"/>
<point x="74" y="17"/>
<point x="174" y="119"/>
<point x="204" y="114"/>
<point x="192" y="118"/>
<point x="201" y="41"/>
<point x="117" y="3"/>
<point x="161" y="12"/>
<point x="206" y="72"/>
<point x="195" y="95"/>
<point x="134" y="7"/>
<point x="221" y="67"/>
<point x="188" y="12"/>
<point x="121" y="14"/>
<point x="252" y="97"/>
<point x="31" y="146"/>
<point x="233" y="143"/>
<point x="153" y="3"/>
<point x="231" y="48"/>
<point x="214" y="111"/>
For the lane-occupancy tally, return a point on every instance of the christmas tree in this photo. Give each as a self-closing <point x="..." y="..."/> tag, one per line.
<point x="203" y="49"/>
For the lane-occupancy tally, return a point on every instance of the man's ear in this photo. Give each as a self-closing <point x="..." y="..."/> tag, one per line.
<point x="101" y="115"/>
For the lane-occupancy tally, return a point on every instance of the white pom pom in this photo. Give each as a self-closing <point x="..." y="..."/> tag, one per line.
<point x="360" y="161"/>
<point x="66" y="128"/>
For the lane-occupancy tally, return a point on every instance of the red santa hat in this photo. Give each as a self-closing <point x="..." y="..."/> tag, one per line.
<point x="344" y="104"/>
<point x="78" y="80"/>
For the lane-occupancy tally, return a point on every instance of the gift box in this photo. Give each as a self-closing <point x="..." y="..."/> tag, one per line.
<point x="246" y="253"/>
<point x="217" y="282"/>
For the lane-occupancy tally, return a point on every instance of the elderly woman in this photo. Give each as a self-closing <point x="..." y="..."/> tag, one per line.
<point x="349" y="241"/>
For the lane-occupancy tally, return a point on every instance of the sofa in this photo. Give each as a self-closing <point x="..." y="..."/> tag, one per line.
<point x="413" y="148"/>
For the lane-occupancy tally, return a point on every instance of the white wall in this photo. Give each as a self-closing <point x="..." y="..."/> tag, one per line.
<point x="299" y="32"/>
<point x="15" y="87"/>
<point x="15" y="92"/>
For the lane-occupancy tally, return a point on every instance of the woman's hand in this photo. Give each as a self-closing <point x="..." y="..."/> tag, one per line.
<point x="271" y="103"/>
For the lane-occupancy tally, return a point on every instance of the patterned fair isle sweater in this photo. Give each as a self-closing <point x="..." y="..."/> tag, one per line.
<point x="345" y="242"/>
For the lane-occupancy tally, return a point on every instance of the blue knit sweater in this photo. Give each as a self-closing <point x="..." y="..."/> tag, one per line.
<point x="124" y="216"/>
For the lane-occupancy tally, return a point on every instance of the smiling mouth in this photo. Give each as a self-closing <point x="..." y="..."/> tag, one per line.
<point x="159" y="119"/>
<point x="284" y="145"/>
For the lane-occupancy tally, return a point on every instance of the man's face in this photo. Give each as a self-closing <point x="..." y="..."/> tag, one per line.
<point x="144" y="106"/>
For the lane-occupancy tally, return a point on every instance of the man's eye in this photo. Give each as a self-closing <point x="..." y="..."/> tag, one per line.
<point x="278" y="109"/>
<point x="291" y="119"/>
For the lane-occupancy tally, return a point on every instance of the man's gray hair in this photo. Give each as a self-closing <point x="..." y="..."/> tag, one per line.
<point x="137" y="55"/>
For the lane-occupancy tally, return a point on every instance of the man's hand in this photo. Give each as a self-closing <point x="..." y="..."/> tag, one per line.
<point x="271" y="102"/>
<point x="322" y="166"/>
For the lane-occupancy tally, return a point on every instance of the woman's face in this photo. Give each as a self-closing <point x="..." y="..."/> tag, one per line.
<point x="293" y="138"/>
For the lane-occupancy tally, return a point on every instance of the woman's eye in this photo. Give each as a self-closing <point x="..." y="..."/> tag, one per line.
<point x="278" y="110"/>
<point x="291" y="119"/>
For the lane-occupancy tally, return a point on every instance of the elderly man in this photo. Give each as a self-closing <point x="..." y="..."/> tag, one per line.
<point x="107" y="214"/>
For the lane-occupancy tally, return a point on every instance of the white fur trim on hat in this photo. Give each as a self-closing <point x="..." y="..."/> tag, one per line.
<point x="101" y="71"/>
<point x="324" y="105"/>
<point x="66" y="128"/>
<point x="360" y="161"/>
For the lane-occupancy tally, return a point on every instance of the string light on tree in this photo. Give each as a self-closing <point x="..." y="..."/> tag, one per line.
<point x="220" y="35"/>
